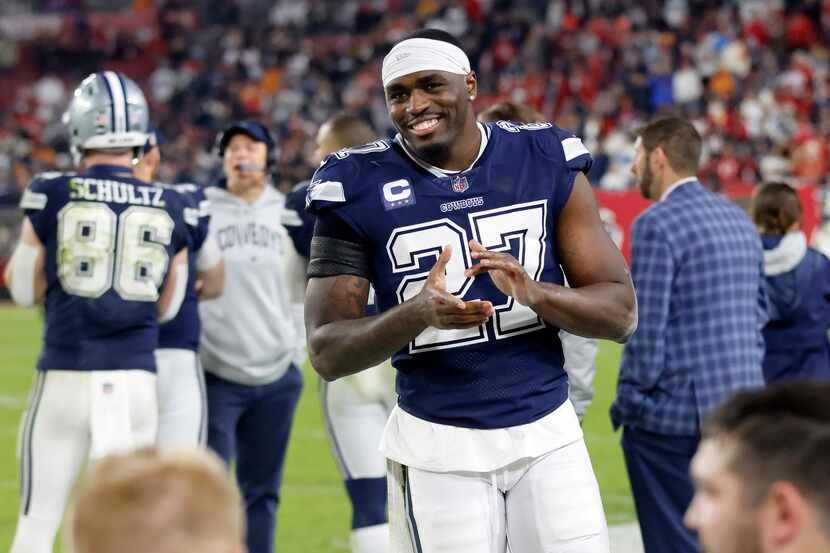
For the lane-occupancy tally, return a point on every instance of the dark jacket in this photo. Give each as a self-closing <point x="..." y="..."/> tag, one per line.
<point x="798" y="286"/>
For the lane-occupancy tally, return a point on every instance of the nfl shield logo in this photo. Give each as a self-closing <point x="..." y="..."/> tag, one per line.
<point x="460" y="184"/>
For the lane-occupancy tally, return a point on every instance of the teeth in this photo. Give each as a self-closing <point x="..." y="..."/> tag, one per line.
<point x="424" y="125"/>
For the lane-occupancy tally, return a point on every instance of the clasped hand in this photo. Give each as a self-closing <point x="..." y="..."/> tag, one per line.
<point x="440" y="309"/>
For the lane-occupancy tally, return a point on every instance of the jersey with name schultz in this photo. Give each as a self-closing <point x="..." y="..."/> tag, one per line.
<point x="109" y="241"/>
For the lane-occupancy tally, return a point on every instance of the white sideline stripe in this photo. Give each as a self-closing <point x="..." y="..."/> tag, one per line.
<point x="625" y="538"/>
<point x="311" y="434"/>
<point x="573" y="147"/>
<point x="9" y="484"/>
<point x="600" y="438"/>
<point x="10" y="401"/>
<point x="315" y="489"/>
<point x="340" y="544"/>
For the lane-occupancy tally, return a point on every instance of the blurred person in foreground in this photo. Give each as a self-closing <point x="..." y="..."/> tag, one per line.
<point x="580" y="353"/>
<point x="356" y="407"/>
<point x="107" y="254"/>
<point x="761" y="472"/>
<point x="696" y="262"/>
<point x="158" y="501"/>
<point x="252" y="340"/>
<point x="798" y="286"/>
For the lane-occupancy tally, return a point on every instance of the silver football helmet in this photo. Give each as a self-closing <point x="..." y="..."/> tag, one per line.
<point x="108" y="111"/>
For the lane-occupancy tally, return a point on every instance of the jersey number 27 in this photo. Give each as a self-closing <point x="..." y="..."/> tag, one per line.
<point x="495" y="229"/>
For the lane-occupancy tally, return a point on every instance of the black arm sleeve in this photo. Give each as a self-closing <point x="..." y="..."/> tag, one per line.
<point x="336" y="249"/>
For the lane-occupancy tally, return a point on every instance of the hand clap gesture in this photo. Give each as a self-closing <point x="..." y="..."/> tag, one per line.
<point x="440" y="309"/>
<point x="507" y="273"/>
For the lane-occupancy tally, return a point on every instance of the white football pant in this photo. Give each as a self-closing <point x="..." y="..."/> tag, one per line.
<point x="73" y="416"/>
<point x="181" y="398"/>
<point x="355" y="410"/>
<point x="550" y="504"/>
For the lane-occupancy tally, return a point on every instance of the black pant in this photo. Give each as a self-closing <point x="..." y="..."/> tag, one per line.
<point x="658" y="468"/>
<point x="252" y="424"/>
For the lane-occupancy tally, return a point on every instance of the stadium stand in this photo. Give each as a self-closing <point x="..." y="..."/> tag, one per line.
<point x="754" y="76"/>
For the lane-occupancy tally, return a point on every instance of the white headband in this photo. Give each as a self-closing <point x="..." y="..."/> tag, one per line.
<point x="423" y="54"/>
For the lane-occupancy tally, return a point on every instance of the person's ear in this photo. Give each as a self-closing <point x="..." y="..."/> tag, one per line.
<point x="657" y="158"/>
<point x="471" y="85"/>
<point x="784" y="515"/>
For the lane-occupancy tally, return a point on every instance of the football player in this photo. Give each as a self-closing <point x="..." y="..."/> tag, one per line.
<point x="355" y="408"/>
<point x="580" y="353"/>
<point x="107" y="253"/>
<point x="462" y="227"/>
<point x="180" y="378"/>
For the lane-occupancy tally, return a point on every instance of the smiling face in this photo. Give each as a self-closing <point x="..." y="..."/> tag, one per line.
<point x="431" y="110"/>
<point x="719" y="511"/>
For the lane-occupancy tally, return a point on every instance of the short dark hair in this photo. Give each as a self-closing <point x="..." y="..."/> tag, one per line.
<point x="435" y="34"/>
<point x="780" y="433"/>
<point x="350" y="129"/>
<point x="511" y="111"/>
<point x="678" y="139"/>
<point x="775" y="207"/>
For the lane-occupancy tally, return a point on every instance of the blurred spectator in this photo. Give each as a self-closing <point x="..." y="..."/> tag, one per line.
<point x="755" y="71"/>
<point x="798" y="287"/>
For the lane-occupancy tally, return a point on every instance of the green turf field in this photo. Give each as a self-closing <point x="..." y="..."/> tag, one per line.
<point x="314" y="515"/>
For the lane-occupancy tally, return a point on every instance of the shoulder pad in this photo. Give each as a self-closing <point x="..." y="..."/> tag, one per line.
<point x="186" y="187"/>
<point x="340" y="179"/>
<point x="33" y="200"/>
<point x="49" y="175"/>
<point x="194" y="196"/>
<point x="554" y="143"/>
<point x="295" y="200"/>
<point x="327" y="186"/>
<point x="36" y="195"/>
<point x="375" y="147"/>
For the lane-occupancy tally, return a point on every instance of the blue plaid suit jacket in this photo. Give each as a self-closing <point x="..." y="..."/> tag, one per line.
<point x="697" y="268"/>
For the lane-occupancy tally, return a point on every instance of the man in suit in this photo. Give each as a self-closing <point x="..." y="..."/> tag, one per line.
<point x="697" y="269"/>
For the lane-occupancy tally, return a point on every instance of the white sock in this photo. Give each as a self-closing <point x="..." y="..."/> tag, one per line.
<point x="371" y="539"/>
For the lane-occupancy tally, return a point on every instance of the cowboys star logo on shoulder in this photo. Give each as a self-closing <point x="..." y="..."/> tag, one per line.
<point x="460" y="184"/>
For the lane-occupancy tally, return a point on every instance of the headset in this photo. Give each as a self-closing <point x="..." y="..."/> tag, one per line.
<point x="255" y="130"/>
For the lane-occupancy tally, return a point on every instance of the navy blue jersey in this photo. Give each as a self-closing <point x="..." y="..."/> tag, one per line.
<point x="109" y="241"/>
<point x="509" y="371"/>
<point x="301" y="228"/>
<point x="182" y="332"/>
<point x="298" y="222"/>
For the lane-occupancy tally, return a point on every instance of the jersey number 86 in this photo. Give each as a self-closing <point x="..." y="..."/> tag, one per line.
<point x="99" y="250"/>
